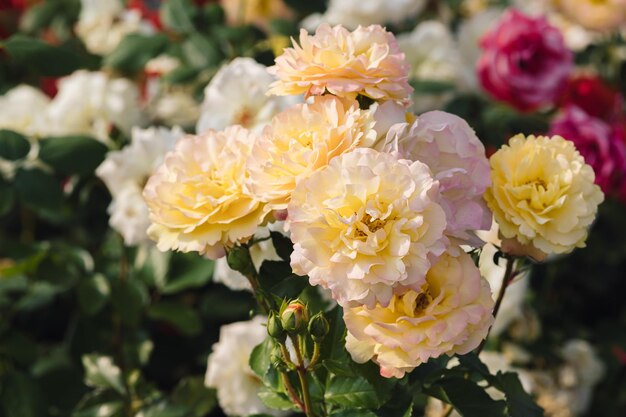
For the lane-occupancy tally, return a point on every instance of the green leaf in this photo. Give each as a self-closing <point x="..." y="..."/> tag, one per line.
<point x="283" y="245"/>
<point x="277" y="278"/>
<point x="13" y="146"/>
<point x="39" y="294"/>
<point x="469" y="399"/>
<point x="431" y="86"/>
<point x="165" y="409"/>
<point x="519" y="402"/>
<point x="37" y="189"/>
<point x="260" y="357"/>
<point x="72" y="154"/>
<point x="135" y="50"/>
<point x="54" y="61"/>
<point x="108" y="409"/>
<point x="20" y="396"/>
<point x="194" y="274"/>
<point x="101" y="372"/>
<point x="178" y="15"/>
<point x="201" y="51"/>
<point x="7" y="197"/>
<point x="195" y="396"/>
<point x="93" y="293"/>
<point x="275" y="400"/>
<point x="181" y="316"/>
<point x="129" y="298"/>
<point x="353" y="392"/>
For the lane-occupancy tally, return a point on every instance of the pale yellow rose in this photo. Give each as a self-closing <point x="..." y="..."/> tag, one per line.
<point x="346" y="64"/>
<point x="450" y="314"/>
<point x="196" y="197"/>
<point x="257" y="12"/>
<point x="302" y="140"/>
<point x="600" y="15"/>
<point x="543" y="193"/>
<point x="366" y="225"/>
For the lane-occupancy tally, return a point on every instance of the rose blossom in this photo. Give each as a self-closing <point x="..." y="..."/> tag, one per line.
<point x="543" y="195"/>
<point x="196" y="197"/>
<point x="595" y="141"/>
<point x="366" y="225"/>
<point x="366" y="61"/>
<point x="591" y="94"/>
<point x="524" y="62"/>
<point x="450" y="313"/>
<point x="456" y="158"/>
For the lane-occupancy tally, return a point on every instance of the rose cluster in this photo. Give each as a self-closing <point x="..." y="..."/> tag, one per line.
<point x="376" y="201"/>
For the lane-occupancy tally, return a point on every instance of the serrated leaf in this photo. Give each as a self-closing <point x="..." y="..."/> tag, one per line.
<point x="13" y="146"/>
<point x="72" y="154"/>
<point x="353" y="392"/>
<point x="101" y="372"/>
<point x="275" y="400"/>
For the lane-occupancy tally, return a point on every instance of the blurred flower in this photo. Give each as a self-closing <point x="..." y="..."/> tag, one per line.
<point x="302" y="140"/>
<point x="456" y="158"/>
<point x="524" y="62"/>
<point x="366" y="225"/>
<point x="600" y="15"/>
<point x="542" y="194"/>
<point x="468" y="37"/>
<point x="594" y="139"/>
<point x="196" y="197"/>
<point x="91" y="103"/>
<point x="352" y="13"/>
<point x="450" y="313"/>
<point x="229" y="373"/>
<point x="23" y="109"/>
<point x="236" y="95"/>
<point x="126" y="171"/>
<point x="346" y="64"/>
<point x="433" y="55"/>
<point x="257" y="12"/>
<point x="174" y="106"/>
<point x="102" y="24"/>
<point x="591" y="94"/>
<point x="259" y="252"/>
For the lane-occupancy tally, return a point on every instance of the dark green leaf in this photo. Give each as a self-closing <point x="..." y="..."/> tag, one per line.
<point x="178" y="15"/>
<point x="39" y="294"/>
<point x="283" y="245"/>
<point x="195" y="396"/>
<point x="13" y="146"/>
<point x="72" y="154"/>
<point x="431" y="86"/>
<point x="46" y="59"/>
<point x="353" y="413"/>
<point x="93" y="293"/>
<point x="19" y="396"/>
<point x="37" y="189"/>
<point x="102" y="372"/>
<point x="181" y="316"/>
<point x="108" y="409"/>
<point x="470" y="400"/>
<point x="129" y="298"/>
<point x="201" y="51"/>
<point x="275" y="400"/>
<point x="260" y="357"/>
<point x="195" y="273"/>
<point x="7" y="197"/>
<point x="135" y="50"/>
<point x="519" y="402"/>
<point x="352" y="392"/>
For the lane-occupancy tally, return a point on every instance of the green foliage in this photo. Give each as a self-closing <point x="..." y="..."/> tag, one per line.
<point x="135" y="50"/>
<point x="13" y="146"/>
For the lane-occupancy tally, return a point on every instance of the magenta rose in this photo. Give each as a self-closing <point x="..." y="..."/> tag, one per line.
<point x="525" y="62"/>
<point x="600" y="144"/>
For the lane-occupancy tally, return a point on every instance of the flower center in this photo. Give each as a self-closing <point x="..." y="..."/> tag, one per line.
<point x="422" y="301"/>
<point x="244" y="117"/>
<point x="367" y="226"/>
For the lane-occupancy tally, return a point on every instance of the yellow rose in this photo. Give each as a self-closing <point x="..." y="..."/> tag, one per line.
<point x="450" y="314"/>
<point x="600" y="15"/>
<point x="367" y="61"/>
<point x="257" y="12"/>
<point x="196" y="197"/>
<point x="543" y="194"/>
<point x="302" y="140"/>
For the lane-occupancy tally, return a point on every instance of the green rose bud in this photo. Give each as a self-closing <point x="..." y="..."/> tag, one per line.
<point x="277" y="360"/>
<point x="294" y="317"/>
<point x="318" y="327"/>
<point x="275" y="329"/>
<point x="239" y="260"/>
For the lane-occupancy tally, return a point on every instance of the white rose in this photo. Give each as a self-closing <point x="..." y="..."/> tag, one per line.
<point x="129" y="215"/>
<point x="352" y="13"/>
<point x="228" y="370"/>
<point x="174" y="106"/>
<point x="23" y="109"/>
<point x="236" y="95"/>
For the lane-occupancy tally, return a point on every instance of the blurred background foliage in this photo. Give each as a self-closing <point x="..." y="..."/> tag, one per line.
<point x="89" y="327"/>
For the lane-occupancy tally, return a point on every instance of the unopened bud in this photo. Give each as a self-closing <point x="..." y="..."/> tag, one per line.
<point x="277" y="360"/>
<point x="239" y="260"/>
<point x="318" y="327"/>
<point x="294" y="317"/>
<point x="275" y="329"/>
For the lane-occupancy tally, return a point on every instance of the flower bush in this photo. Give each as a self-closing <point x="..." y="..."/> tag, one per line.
<point x="329" y="209"/>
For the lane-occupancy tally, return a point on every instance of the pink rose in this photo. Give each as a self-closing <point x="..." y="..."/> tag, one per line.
<point x="524" y="62"/>
<point x="597" y="142"/>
